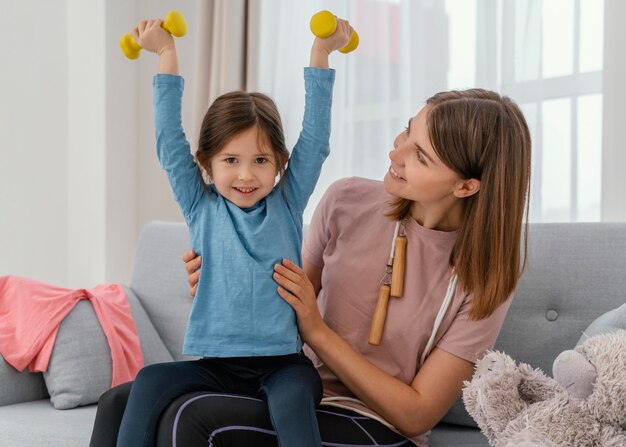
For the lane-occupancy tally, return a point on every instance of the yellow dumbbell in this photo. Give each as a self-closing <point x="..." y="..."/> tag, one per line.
<point x="324" y="23"/>
<point x="174" y="24"/>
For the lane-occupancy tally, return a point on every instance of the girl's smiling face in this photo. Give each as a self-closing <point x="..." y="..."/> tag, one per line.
<point x="244" y="171"/>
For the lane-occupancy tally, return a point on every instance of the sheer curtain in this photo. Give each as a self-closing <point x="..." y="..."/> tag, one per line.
<point x="226" y="35"/>
<point x="401" y="60"/>
<point x="545" y="54"/>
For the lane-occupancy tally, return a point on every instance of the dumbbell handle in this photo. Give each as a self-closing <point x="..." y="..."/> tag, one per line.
<point x="174" y="24"/>
<point x="324" y="24"/>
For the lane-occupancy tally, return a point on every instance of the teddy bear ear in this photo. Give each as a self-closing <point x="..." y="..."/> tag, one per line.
<point x="610" y="321"/>
<point x="608" y="354"/>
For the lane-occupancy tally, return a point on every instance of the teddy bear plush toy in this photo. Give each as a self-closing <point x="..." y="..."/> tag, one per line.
<point x="584" y="405"/>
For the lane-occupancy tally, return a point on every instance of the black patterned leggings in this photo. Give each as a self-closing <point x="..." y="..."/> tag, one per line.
<point x="213" y="419"/>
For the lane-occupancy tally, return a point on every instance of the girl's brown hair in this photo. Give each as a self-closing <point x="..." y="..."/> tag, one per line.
<point x="479" y="134"/>
<point x="235" y="112"/>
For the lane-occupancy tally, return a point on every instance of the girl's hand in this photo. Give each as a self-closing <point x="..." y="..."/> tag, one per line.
<point x="338" y="39"/>
<point x="192" y="265"/>
<point x="151" y="37"/>
<point x="323" y="47"/>
<point x="297" y="290"/>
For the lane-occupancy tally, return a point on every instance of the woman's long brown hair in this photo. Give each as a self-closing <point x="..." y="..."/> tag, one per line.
<point x="479" y="134"/>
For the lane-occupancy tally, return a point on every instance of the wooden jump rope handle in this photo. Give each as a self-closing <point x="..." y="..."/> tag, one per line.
<point x="380" y="314"/>
<point x="399" y="264"/>
<point x="396" y="291"/>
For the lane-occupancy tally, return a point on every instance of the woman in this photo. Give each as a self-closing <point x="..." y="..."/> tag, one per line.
<point x="457" y="190"/>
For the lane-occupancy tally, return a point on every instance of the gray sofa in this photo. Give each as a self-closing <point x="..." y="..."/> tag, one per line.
<point x="575" y="273"/>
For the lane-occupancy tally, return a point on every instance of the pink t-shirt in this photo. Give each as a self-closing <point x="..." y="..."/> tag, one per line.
<point x="350" y="237"/>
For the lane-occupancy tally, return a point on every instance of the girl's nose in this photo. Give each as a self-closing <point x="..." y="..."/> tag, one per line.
<point x="244" y="173"/>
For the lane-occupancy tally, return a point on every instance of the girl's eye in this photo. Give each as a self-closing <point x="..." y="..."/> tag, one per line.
<point x="261" y="160"/>
<point x="406" y="129"/>
<point x="230" y="160"/>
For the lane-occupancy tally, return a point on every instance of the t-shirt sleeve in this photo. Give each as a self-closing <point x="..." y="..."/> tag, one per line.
<point x="321" y="227"/>
<point x="469" y="339"/>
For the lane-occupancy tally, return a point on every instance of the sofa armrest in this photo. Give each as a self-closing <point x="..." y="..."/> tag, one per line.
<point x="16" y="387"/>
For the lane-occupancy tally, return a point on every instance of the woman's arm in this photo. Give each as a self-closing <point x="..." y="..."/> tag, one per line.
<point x="413" y="409"/>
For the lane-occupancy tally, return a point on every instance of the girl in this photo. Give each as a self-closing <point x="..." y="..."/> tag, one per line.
<point x="242" y="224"/>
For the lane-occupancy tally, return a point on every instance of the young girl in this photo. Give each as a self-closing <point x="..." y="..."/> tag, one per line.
<point x="242" y="224"/>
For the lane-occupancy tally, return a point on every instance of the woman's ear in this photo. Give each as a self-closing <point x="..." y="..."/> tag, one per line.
<point x="466" y="188"/>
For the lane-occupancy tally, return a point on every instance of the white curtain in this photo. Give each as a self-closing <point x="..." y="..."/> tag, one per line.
<point x="226" y="40"/>
<point x="546" y="54"/>
<point x="378" y="87"/>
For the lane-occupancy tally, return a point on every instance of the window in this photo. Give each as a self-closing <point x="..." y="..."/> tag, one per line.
<point x="551" y="53"/>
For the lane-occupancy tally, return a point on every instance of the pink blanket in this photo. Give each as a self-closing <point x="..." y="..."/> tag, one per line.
<point x="31" y="313"/>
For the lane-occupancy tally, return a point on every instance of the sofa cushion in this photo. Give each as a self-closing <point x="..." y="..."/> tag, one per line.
<point x="36" y="423"/>
<point x="447" y="435"/>
<point x="160" y="281"/>
<point x="152" y="346"/>
<point x="80" y="366"/>
<point x="611" y="321"/>
<point x="18" y="386"/>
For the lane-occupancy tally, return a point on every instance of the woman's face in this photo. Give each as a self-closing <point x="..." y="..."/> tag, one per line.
<point x="416" y="173"/>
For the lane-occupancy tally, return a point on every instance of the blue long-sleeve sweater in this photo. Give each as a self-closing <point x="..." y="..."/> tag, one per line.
<point x="237" y="311"/>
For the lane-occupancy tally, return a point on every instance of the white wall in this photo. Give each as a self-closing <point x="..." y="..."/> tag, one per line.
<point x="78" y="171"/>
<point x="33" y="140"/>
<point x="154" y="195"/>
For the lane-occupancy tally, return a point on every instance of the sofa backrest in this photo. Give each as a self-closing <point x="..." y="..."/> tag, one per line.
<point x="160" y="281"/>
<point x="574" y="273"/>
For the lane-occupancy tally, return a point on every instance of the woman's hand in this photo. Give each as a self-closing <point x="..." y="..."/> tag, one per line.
<point x="193" y="263"/>
<point x="297" y="290"/>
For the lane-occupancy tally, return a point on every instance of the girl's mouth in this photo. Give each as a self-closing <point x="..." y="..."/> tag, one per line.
<point x="244" y="191"/>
